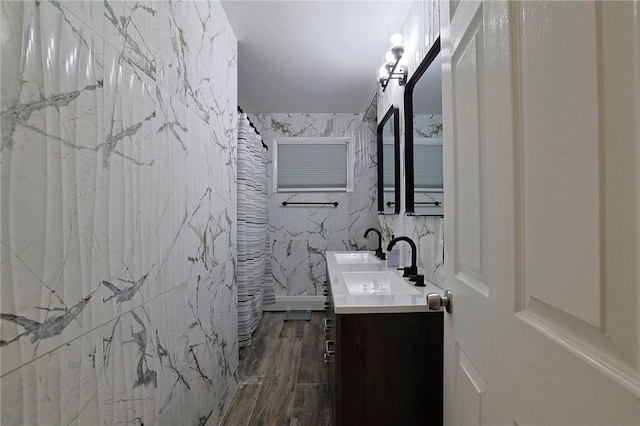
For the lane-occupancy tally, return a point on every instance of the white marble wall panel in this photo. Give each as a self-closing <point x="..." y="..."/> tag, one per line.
<point x="363" y="207"/>
<point x="118" y="213"/>
<point x="420" y="30"/>
<point x="427" y="126"/>
<point x="301" y="234"/>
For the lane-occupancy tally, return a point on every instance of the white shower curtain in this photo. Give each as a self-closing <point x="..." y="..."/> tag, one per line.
<point x="255" y="278"/>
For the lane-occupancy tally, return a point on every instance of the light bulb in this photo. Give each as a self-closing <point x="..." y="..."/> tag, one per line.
<point x="396" y="39"/>
<point x="389" y="66"/>
<point x="383" y="72"/>
<point x="389" y="57"/>
<point x="396" y="51"/>
<point x="383" y="75"/>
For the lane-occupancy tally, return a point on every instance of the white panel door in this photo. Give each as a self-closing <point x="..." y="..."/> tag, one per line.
<point x="542" y="212"/>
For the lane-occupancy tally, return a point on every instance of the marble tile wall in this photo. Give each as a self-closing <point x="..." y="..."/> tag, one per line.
<point x="300" y="235"/>
<point x="420" y="30"/>
<point x="118" y="204"/>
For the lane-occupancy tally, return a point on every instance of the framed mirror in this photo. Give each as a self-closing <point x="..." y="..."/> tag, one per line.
<point x="389" y="163"/>
<point x="423" y="137"/>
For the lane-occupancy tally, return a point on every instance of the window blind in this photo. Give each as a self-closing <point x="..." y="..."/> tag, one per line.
<point x="427" y="166"/>
<point x="388" y="165"/>
<point x="311" y="166"/>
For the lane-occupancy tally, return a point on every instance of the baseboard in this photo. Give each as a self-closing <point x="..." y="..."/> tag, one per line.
<point x="291" y="303"/>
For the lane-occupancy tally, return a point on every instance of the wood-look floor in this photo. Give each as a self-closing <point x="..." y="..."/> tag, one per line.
<point x="282" y="376"/>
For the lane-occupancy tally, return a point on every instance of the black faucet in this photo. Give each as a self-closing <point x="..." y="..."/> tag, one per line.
<point x="409" y="271"/>
<point x="379" y="252"/>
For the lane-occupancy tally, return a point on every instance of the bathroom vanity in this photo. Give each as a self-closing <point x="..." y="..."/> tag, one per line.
<point x="383" y="345"/>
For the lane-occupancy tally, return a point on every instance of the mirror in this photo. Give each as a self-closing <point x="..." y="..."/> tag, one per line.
<point x="423" y="137"/>
<point x="389" y="163"/>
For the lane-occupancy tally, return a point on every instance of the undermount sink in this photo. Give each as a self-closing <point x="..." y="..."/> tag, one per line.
<point x="376" y="283"/>
<point x="355" y="258"/>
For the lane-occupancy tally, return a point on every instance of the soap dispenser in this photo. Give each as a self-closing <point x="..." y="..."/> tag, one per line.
<point x="393" y="260"/>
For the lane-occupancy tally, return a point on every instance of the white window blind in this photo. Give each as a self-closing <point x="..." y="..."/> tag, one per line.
<point x="427" y="165"/>
<point x="388" y="165"/>
<point x="309" y="166"/>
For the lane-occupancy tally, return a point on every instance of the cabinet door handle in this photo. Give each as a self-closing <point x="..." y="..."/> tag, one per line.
<point x="327" y="345"/>
<point x="327" y="325"/>
<point x="329" y="353"/>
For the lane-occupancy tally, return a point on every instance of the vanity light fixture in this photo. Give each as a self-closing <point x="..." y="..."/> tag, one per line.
<point x="391" y="68"/>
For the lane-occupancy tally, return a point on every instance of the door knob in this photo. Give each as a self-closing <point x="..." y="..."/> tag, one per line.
<point x="436" y="302"/>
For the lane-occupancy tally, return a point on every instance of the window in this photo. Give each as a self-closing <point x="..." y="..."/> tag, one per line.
<point x="313" y="164"/>
<point x="389" y="170"/>
<point x="427" y="173"/>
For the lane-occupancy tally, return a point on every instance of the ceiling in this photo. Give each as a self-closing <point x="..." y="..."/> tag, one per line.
<point x="311" y="56"/>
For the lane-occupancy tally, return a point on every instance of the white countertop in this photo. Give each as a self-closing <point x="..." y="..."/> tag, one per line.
<point x="345" y="303"/>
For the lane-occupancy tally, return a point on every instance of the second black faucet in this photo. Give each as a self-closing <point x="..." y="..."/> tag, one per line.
<point x="409" y="271"/>
<point x="379" y="252"/>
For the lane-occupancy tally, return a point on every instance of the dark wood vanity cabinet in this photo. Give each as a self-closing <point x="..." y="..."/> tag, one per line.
<point x="385" y="368"/>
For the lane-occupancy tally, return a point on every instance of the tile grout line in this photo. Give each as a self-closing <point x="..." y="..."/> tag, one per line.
<point x="253" y="406"/>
